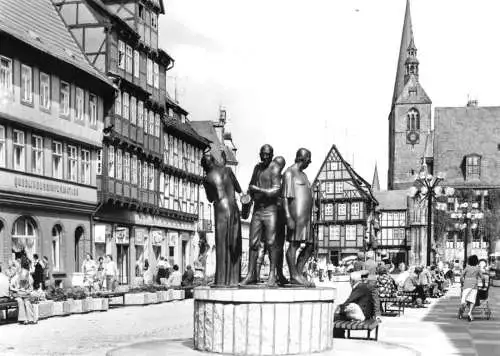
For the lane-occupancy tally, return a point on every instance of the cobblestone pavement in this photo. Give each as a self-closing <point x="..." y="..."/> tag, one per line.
<point x="97" y="333"/>
<point x="434" y="330"/>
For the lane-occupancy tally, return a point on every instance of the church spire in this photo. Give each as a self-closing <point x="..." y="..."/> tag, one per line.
<point x="407" y="43"/>
<point x="375" y="182"/>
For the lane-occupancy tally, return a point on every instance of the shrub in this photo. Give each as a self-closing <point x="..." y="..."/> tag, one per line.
<point x="55" y="294"/>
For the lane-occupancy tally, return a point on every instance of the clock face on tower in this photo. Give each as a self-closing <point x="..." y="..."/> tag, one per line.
<point x="412" y="137"/>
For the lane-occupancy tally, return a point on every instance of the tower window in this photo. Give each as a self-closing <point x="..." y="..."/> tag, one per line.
<point x="413" y="120"/>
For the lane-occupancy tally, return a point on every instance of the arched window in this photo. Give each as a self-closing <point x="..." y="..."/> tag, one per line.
<point x="413" y="120"/>
<point x="56" y="246"/>
<point x="79" y="247"/>
<point x="24" y="236"/>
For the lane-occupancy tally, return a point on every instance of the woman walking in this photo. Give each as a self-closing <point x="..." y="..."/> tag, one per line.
<point x="111" y="273"/>
<point x="470" y="276"/>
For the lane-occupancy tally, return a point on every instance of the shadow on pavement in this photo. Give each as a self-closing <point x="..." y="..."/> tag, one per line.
<point x="480" y="337"/>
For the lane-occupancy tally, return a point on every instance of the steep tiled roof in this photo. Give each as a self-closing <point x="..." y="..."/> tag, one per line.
<point x="186" y="130"/>
<point x="38" y="24"/>
<point x="206" y="129"/>
<point x="461" y="131"/>
<point x="392" y="199"/>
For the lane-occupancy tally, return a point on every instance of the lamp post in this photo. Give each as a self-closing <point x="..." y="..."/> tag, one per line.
<point x="467" y="216"/>
<point x="427" y="188"/>
<point x="316" y="216"/>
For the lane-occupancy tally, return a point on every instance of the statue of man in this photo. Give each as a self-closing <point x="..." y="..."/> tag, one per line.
<point x="265" y="189"/>
<point x="220" y="186"/>
<point x="277" y="164"/>
<point x="298" y="203"/>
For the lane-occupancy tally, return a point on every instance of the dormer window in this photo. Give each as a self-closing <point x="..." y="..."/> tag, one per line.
<point x="472" y="167"/>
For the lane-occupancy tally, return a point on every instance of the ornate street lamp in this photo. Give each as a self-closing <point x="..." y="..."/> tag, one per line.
<point x="427" y="188"/>
<point x="467" y="219"/>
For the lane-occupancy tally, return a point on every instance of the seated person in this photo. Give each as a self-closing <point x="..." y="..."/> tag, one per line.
<point x="175" y="278"/>
<point x="414" y="284"/>
<point x="365" y="298"/>
<point x="385" y="284"/>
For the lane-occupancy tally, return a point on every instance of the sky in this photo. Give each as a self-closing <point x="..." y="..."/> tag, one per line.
<point x="320" y="72"/>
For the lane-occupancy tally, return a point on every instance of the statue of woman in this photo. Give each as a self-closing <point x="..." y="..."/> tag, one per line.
<point x="220" y="186"/>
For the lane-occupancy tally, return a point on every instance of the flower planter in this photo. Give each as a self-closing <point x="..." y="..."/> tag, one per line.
<point x="182" y="294"/>
<point x="116" y="301"/>
<point x="176" y="294"/>
<point x="135" y="298"/>
<point x="105" y="304"/>
<point x="170" y="294"/>
<point x="46" y="309"/>
<point x="35" y="311"/>
<point x="76" y="306"/>
<point x="87" y="305"/>
<point x="162" y="296"/>
<point x="67" y="306"/>
<point x="150" y="298"/>
<point x="58" y="308"/>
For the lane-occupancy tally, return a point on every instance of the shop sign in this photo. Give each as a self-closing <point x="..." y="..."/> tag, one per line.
<point x="101" y="232"/>
<point x="159" y="221"/>
<point x="121" y="235"/>
<point x="140" y="236"/>
<point x="157" y="237"/>
<point x="20" y="183"/>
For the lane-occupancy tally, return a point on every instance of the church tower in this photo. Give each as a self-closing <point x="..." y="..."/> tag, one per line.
<point x="410" y="117"/>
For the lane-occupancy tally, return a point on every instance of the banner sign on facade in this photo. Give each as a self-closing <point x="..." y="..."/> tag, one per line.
<point x="172" y="238"/>
<point x="121" y="235"/>
<point x="101" y="233"/>
<point x="140" y="236"/>
<point x="157" y="237"/>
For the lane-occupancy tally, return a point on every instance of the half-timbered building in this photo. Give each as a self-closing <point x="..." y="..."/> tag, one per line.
<point x="53" y="105"/>
<point x="120" y="38"/>
<point x="345" y="203"/>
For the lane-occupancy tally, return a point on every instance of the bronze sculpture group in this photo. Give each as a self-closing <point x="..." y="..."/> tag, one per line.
<point x="282" y="208"/>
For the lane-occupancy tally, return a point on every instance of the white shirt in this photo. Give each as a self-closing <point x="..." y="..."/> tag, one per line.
<point x="110" y="269"/>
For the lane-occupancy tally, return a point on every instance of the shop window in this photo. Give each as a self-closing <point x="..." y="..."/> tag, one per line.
<point x="24" y="236"/>
<point x="56" y="247"/>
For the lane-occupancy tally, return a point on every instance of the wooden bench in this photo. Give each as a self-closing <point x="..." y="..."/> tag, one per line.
<point x="109" y="295"/>
<point x="368" y="325"/>
<point x="8" y="304"/>
<point x="399" y="301"/>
